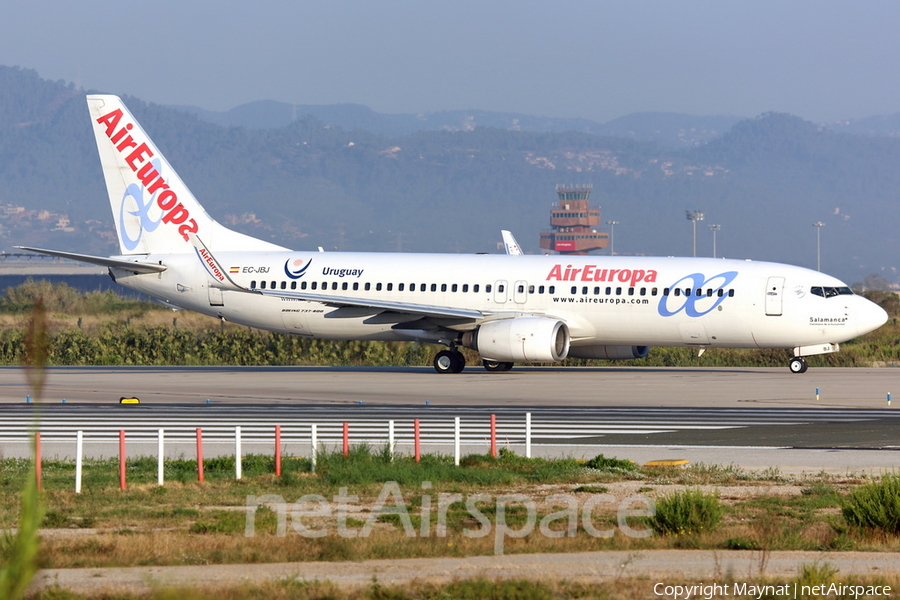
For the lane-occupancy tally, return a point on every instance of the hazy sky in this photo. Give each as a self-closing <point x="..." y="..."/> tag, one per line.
<point x="819" y="59"/>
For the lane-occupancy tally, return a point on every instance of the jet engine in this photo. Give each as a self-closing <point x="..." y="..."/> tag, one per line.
<point x="521" y="339"/>
<point x="609" y="352"/>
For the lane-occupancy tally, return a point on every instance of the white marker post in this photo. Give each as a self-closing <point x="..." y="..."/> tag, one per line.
<point x="160" y="456"/>
<point x="79" y="452"/>
<point x="528" y="435"/>
<point x="456" y="441"/>
<point x="237" y="452"/>
<point x="314" y="442"/>
<point x="391" y="439"/>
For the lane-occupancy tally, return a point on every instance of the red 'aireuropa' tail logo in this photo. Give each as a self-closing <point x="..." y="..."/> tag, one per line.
<point x="137" y="157"/>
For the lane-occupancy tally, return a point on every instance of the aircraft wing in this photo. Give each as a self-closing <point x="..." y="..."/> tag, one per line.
<point x="425" y="310"/>
<point x="118" y="263"/>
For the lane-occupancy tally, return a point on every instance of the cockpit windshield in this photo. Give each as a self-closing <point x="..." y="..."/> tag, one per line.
<point x="830" y="292"/>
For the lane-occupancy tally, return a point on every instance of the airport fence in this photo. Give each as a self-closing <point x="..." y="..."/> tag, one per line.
<point x="316" y="435"/>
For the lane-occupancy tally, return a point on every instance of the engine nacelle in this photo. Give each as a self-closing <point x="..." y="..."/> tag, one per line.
<point x="521" y="339"/>
<point x="609" y="352"/>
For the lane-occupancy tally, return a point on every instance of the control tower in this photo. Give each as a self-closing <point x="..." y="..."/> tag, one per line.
<point x="574" y="223"/>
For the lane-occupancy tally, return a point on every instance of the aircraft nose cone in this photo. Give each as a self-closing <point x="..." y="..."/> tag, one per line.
<point x="872" y="317"/>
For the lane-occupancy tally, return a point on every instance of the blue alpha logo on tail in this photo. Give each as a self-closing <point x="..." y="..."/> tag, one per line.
<point x="142" y="212"/>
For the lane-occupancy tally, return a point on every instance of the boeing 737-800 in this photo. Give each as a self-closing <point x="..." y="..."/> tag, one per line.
<point x="509" y="308"/>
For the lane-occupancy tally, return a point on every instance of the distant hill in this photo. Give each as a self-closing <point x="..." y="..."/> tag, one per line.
<point x="312" y="183"/>
<point x="667" y="129"/>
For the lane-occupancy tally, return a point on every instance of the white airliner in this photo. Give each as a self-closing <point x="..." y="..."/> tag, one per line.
<point x="509" y="308"/>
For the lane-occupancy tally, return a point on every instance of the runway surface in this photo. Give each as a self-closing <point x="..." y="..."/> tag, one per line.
<point x="754" y="418"/>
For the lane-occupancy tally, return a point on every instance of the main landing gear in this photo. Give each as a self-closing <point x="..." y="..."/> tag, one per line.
<point x="798" y="365"/>
<point x="452" y="361"/>
<point x="449" y="361"/>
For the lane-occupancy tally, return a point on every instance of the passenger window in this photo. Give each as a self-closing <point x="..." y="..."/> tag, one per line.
<point x="293" y="285"/>
<point x="597" y="291"/>
<point x="487" y="288"/>
<point x="731" y="293"/>
<point x="530" y="289"/>
<point x="253" y="284"/>
<point x="608" y="291"/>
<point x="399" y="287"/>
<point x="551" y="289"/>
<point x="314" y="285"/>
<point x="631" y="291"/>
<point x="422" y="287"/>
<point x="465" y="287"/>
<point x="334" y="286"/>
<point x="709" y="292"/>
<point x="284" y="285"/>
<point x="643" y="291"/>
<point x="443" y="287"/>
<point x="454" y="287"/>
<point x="665" y="291"/>
<point x="377" y="287"/>
<point x="501" y="288"/>
<point x="653" y="292"/>
<point x="475" y="288"/>
<point x="720" y="293"/>
<point x="355" y="286"/>
<point x="699" y="292"/>
<point x="368" y="286"/>
<point x="540" y="289"/>
<point x="302" y="285"/>
<point x="584" y="290"/>
<point x="433" y="287"/>
<point x="677" y="292"/>
<point x="390" y="287"/>
<point x="521" y="289"/>
<point x="574" y="290"/>
<point x="618" y="291"/>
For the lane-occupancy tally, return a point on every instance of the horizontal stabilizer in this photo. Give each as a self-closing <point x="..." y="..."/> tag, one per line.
<point x="116" y="263"/>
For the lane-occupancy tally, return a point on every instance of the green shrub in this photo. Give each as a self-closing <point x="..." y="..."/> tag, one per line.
<point x="687" y="512"/>
<point x="876" y="505"/>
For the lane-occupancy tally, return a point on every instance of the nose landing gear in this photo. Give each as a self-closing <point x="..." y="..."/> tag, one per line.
<point x="798" y="365"/>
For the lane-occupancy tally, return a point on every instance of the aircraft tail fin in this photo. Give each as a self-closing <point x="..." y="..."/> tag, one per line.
<point x="154" y="211"/>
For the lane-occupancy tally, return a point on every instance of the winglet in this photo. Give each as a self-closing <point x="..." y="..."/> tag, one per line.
<point x="509" y="241"/>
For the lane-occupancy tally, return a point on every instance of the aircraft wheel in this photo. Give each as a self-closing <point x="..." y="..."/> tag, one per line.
<point x="798" y="365"/>
<point x="495" y="366"/>
<point x="449" y="361"/>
